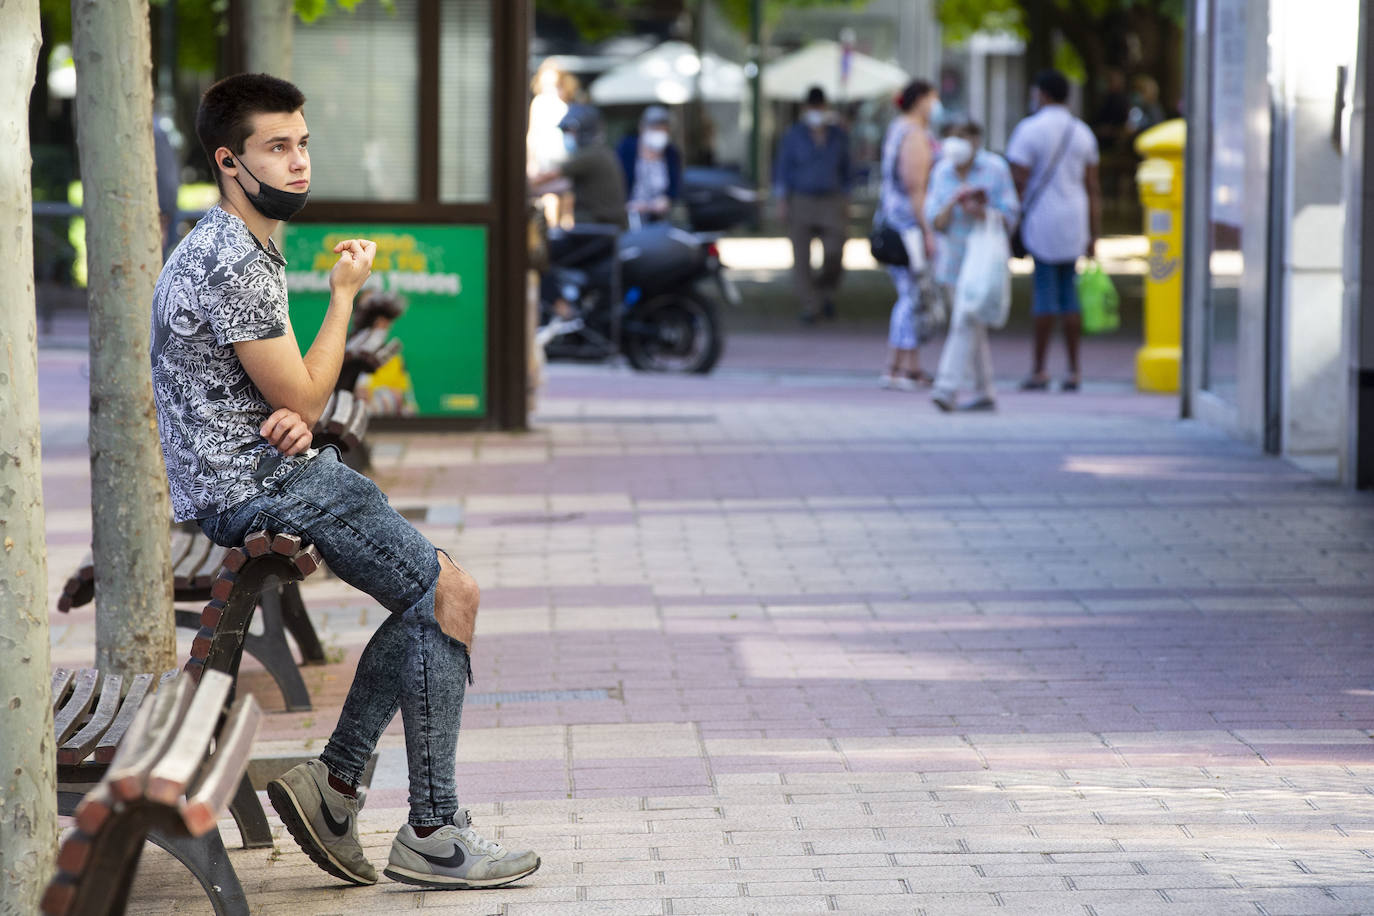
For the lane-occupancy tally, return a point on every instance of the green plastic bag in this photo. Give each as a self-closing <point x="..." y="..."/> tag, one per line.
<point x="1097" y="295"/>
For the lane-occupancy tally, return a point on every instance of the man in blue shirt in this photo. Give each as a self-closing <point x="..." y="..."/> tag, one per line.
<point x="811" y="184"/>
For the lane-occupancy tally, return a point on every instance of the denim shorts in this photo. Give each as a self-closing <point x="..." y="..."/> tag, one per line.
<point x="1054" y="289"/>
<point x="326" y="503"/>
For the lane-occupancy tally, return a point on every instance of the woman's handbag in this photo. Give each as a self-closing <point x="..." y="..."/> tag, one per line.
<point x="885" y="241"/>
<point x="887" y="245"/>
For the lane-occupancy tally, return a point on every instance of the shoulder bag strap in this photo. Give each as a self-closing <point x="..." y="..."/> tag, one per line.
<point x="1049" y="172"/>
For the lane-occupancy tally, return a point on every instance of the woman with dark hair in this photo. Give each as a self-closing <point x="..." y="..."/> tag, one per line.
<point x="908" y="153"/>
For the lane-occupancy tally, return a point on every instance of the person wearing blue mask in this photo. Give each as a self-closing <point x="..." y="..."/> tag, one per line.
<point x="652" y="164"/>
<point x="811" y="184"/>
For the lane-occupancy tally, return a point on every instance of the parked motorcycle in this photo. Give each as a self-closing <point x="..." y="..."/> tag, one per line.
<point x="653" y="300"/>
<point x="664" y="281"/>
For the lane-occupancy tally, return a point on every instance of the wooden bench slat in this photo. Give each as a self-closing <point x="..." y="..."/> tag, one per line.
<point x="214" y="559"/>
<point x="342" y="411"/>
<point x="220" y="777"/>
<point x="182" y="540"/>
<point x="171" y="775"/>
<point x="138" y="692"/>
<point x="128" y="774"/>
<point x="79" y="745"/>
<point x="195" y="557"/>
<point x="388" y="351"/>
<point x="83" y="690"/>
<point x="356" y="426"/>
<point x="61" y="680"/>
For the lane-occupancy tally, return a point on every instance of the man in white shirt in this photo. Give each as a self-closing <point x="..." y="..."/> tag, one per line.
<point x="1053" y="159"/>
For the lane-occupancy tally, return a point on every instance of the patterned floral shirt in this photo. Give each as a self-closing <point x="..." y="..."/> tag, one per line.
<point x="219" y="286"/>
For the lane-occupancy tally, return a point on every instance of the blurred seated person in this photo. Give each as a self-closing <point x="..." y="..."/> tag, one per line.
<point x="598" y="188"/>
<point x="652" y="165"/>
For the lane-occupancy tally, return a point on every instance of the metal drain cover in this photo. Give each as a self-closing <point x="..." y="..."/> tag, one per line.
<point x="545" y="696"/>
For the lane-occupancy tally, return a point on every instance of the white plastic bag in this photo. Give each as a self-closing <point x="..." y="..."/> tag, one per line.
<point x="983" y="290"/>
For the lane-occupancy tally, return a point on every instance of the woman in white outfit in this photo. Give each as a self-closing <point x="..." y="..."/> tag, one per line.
<point x="963" y="185"/>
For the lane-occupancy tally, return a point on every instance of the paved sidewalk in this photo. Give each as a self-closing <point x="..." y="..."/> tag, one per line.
<point x="777" y="642"/>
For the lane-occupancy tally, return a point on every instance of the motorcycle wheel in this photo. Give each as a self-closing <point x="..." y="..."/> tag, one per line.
<point x="675" y="333"/>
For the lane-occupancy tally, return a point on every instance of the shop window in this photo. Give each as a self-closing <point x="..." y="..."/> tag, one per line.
<point x="360" y="73"/>
<point x="465" y="115"/>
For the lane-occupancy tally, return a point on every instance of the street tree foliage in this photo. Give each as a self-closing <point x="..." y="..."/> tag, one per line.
<point x="595" y="20"/>
<point x="1134" y="36"/>
<point x="200" y="23"/>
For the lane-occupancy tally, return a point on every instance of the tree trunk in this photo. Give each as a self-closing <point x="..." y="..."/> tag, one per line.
<point x="28" y="763"/>
<point x="268" y="30"/>
<point x="134" y="626"/>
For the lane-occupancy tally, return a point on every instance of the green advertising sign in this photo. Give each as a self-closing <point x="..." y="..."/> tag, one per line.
<point x="440" y="273"/>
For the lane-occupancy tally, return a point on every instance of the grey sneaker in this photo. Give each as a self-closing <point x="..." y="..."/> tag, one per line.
<point x="455" y="857"/>
<point x="323" y="821"/>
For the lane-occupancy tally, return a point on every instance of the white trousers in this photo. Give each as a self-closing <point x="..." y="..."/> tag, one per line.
<point x="966" y="360"/>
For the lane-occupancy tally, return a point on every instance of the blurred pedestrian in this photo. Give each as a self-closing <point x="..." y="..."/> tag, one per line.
<point x="964" y="185"/>
<point x="909" y="150"/>
<point x="552" y="91"/>
<point x="1054" y="164"/>
<point x="1145" y="111"/>
<point x="811" y="184"/>
<point x="653" y="166"/>
<point x="598" y="192"/>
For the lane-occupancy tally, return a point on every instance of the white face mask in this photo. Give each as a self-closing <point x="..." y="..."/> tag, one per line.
<point x="937" y="111"/>
<point x="815" y="117"/>
<point x="959" y="150"/>
<point x="655" y="139"/>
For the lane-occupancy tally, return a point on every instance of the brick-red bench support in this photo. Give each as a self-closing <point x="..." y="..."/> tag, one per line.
<point x="196" y="562"/>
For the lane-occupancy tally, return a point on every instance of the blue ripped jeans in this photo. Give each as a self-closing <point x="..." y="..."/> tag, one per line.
<point x="409" y="664"/>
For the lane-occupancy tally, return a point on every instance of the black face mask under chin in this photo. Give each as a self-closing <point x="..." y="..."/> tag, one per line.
<point x="273" y="203"/>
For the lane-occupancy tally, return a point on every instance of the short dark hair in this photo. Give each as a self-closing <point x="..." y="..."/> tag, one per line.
<point x="1054" y="84"/>
<point x="227" y="107"/>
<point x="912" y="93"/>
<point x="815" y="96"/>
<point x="968" y="130"/>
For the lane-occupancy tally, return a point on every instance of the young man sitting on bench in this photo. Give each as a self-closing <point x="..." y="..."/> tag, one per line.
<point x="235" y="405"/>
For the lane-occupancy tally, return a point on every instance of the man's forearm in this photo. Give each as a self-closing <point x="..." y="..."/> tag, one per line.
<point x="324" y="359"/>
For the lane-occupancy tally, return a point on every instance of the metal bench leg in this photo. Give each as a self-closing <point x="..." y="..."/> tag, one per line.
<point x="248" y="814"/>
<point x="207" y="859"/>
<point x="272" y="649"/>
<point x="298" y="624"/>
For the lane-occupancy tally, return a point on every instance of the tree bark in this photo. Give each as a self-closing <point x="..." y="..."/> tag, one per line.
<point x="268" y="32"/>
<point x="28" y="763"/>
<point x="134" y="625"/>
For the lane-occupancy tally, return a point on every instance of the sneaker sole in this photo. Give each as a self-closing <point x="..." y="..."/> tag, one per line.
<point x="406" y="876"/>
<point x="292" y="815"/>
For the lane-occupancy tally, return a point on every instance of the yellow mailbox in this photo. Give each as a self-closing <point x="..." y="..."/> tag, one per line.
<point x="1160" y="180"/>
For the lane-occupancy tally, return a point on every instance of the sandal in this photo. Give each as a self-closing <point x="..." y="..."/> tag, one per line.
<point x="922" y="378"/>
<point x="1032" y="383"/>
<point x="1069" y="384"/>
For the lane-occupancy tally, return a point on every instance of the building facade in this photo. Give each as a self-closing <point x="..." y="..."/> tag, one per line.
<point x="1274" y="158"/>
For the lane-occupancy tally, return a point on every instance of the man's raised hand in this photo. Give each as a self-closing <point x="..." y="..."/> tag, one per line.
<point x="287" y="432"/>
<point x="354" y="265"/>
